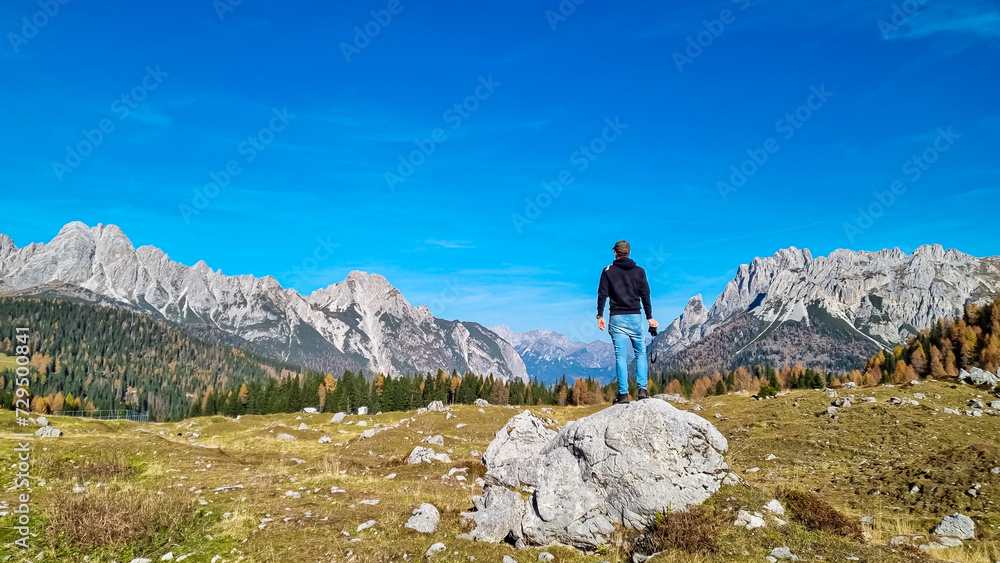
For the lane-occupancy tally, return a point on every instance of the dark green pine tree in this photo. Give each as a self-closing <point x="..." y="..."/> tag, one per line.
<point x="195" y="409"/>
<point x="210" y="407"/>
<point x="358" y="392"/>
<point x="294" y="395"/>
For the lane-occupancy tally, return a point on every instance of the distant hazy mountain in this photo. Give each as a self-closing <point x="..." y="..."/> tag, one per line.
<point x="362" y="322"/>
<point x="831" y="312"/>
<point x="549" y="355"/>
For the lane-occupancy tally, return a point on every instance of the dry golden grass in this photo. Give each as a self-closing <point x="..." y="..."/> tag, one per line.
<point x="107" y="465"/>
<point x="117" y="516"/>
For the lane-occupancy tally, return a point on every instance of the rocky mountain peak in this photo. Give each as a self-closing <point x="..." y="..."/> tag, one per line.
<point x="790" y="258"/>
<point x="7" y="246"/>
<point x="370" y="293"/>
<point x="78" y="228"/>
<point x="504" y="331"/>
<point x="695" y="305"/>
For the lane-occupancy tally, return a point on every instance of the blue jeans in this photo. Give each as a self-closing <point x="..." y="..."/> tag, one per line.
<point x="626" y="330"/>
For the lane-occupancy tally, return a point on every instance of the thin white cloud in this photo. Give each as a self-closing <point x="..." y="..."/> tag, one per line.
<point x="450" y="243"/>
<point x="978" y="20"/>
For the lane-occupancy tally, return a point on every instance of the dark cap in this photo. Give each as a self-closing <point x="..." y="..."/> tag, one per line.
<point x="622" y="247"/>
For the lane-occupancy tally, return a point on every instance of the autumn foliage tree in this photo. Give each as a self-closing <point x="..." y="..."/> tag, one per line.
<point x="943" y="350"/>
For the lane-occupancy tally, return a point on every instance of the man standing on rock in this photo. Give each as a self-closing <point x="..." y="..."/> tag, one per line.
<point x="626" y="285"/>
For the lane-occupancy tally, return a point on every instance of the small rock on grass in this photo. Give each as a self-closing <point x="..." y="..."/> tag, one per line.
<point x="424" y="519"/>
<point x="434" y="440"/>
<point x="957" y="526"/>
<point x="48" y="432"/>
<point x="950" y="542"/>
<point x="783" y="554"/>
<point x="366" y="525"/>
<point x="435" y="549"/>
<point x="749" y="521"/>
<point x="546" y="557"/>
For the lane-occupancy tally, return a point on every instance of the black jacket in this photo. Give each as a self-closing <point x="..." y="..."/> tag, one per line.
<point x="626" y="285"/>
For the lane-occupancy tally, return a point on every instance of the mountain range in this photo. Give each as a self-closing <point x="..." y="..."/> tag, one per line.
<point x="549" y="355"/>
<point x="362" y="322"/>
<point x="831" y="312"/>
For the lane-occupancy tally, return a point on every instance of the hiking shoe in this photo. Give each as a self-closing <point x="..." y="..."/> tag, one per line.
<point x="621" y="400"/>
<point x="643" y="394"/>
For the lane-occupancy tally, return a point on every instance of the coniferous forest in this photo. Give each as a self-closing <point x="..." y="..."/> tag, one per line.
<point x="97" y="357"/>
<point x="87" y="357"/>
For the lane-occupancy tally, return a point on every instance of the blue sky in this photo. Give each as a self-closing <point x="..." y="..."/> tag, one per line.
<point x="638" y="117"/>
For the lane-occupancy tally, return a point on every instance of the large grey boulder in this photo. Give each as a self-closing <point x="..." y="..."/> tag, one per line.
<point x="48" y="432"/>
<point x="977" y="376"/>
<point x="436" y="406"/>
<point x="42" y="421"/>
<point x="957" y="526"/>
<point x="623" y="465"/>
<point x="338" y="418"/>
<point x="362" y="411"/>
<point x="424" y="519"/>
<point x="482" y="403"/>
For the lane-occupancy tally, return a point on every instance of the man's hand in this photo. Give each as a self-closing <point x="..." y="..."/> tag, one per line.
<point x="600" y="323"/>
<point x="653" y="323"/>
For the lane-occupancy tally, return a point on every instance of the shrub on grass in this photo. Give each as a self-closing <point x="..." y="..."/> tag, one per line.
<point x="117" y="516"/>
<point x="818" y="515"/>
<point x="695" y="530"/>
